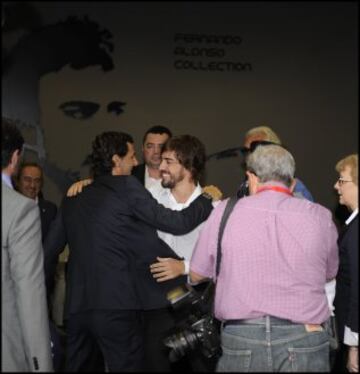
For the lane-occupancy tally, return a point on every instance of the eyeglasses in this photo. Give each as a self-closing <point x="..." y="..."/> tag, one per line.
<point x="342" y="181"/>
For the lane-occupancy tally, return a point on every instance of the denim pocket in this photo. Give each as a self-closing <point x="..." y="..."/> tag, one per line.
<point x="310" y="359"/>
<point x="234" y="360"/>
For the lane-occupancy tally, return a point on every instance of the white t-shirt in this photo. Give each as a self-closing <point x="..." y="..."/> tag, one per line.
<point x="183" y="245"/>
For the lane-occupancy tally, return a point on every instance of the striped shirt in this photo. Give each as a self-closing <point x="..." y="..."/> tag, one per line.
<point x="277" y="253"/>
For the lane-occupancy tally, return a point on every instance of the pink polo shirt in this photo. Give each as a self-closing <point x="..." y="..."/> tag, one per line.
<point x="277" y="253"/>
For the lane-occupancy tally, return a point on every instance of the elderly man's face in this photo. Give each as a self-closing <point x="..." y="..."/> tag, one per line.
<point x="30" y="181"/>
<point x="248" y="140"/>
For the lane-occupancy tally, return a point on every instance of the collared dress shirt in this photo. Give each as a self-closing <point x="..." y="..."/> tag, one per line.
<point x="7" y="180"/>
<point x="183" y="245"/>
<point x="278" y="251"/>
<point x="151" y="182"/>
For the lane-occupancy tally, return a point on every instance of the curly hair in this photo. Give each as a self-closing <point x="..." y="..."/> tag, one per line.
<point x="190" y="153"/>
<point x="104" y="147"/>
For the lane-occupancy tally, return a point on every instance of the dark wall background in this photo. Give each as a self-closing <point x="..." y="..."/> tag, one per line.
<point x="296" y="71"/>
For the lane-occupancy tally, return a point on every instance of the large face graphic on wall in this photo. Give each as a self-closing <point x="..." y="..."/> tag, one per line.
<point x="57" y="85"/>
<point x="75" y="106"/>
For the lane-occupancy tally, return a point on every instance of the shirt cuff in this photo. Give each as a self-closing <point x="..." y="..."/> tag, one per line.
<point x="351" y="337"/>
<point x="330" y="294"/>
<point x="187" y="267"/>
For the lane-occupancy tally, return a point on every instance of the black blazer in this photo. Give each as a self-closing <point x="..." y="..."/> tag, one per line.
<point x="48" y="212"/>
<point x="347" y="280"/>
<point x="111" y="231"/>
<point x="139" y="172"/>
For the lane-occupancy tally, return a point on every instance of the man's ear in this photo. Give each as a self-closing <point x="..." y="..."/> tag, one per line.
<point x="15" y="158"/>
<point x="253" y="181"/>
<point x="292" y="185"/>
<point x="116" y="160"/>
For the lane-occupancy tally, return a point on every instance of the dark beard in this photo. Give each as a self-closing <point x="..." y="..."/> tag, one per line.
<point x="169" y="184"/>
<point x="172" y="182"/>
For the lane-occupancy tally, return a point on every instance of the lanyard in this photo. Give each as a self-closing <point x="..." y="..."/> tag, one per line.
<point x="275" y="188"/>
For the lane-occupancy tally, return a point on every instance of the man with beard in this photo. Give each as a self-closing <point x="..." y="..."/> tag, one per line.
<point x="111" y="231"/>
<point x="182" y="165"/>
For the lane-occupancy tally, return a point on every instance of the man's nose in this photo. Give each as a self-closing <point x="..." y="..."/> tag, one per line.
<point x="163" y="165"/>
<point x="157" y="149"/>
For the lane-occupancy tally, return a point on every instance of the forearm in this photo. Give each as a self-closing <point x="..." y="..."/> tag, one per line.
<point x="175" y="222"/>
<point x="196" y="278"/>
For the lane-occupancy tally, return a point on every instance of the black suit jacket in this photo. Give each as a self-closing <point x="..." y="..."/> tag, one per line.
<point x="347" y="280"/>
<point x="139" y="172"/>
<point x="48" y="212"/>
<point x="111" y="231"/>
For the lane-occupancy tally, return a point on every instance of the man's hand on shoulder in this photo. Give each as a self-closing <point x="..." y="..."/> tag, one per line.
<point x="167" y="268"/>
<point x="77" y="187"/>
<point x="213" y="192"/>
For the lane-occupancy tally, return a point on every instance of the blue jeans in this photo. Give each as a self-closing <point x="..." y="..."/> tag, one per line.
<point x="273" y="347"/>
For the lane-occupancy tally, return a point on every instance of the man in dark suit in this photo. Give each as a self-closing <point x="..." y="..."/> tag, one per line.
<point x="148" y="173"/>
<point x="29" y="182"/>
<point x="111" y="231"/>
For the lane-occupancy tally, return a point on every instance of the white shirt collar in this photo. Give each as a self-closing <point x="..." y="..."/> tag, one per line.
<point x="197" y="191"/>
<point x="7" y="180"/>
<point x="352" y="216"/>
<point x="150" y="181"/>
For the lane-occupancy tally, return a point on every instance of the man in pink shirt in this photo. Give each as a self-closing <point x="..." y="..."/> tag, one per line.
<point x="278" y="252"/>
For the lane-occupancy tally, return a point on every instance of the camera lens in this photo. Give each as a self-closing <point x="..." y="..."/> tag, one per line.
<point x="180" y="343"/>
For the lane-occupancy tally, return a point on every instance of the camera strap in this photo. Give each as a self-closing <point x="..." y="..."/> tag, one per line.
<point x="228" y="209"/>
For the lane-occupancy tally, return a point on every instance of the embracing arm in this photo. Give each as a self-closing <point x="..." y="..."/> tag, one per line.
<point x="145" y="208"/>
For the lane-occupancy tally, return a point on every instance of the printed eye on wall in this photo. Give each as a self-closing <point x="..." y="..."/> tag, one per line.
<point x="116" y="107"/>
<point x="79" y="109"/>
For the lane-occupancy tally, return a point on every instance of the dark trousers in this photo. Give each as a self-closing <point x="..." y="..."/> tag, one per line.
<point x="114" y="335"/>
<point x="57" y="348"/>
<point x="157" y="324"/>
<point x="340" y="359"/>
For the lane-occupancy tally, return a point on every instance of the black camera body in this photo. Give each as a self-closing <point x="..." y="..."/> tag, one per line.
<point x="200" y="330"/>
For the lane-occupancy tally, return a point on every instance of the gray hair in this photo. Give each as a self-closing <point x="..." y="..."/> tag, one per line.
<point x="272" y="163"/>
